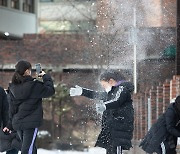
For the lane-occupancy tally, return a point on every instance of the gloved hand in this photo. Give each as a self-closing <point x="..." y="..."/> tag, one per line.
<point x="100" y="107"/>
<point x="41" y="74"/>
<point x="77" y="91"/>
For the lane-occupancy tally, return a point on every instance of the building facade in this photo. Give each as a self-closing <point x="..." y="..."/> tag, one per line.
<point x="18" y="17"/>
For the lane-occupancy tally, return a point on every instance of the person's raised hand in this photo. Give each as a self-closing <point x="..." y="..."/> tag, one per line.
<point x="76" y="91"/>
<point x="5" y="130"/>
<point x="41" y="74"/>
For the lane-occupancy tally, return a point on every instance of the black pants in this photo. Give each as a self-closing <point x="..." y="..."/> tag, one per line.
<point x="28" y="138"/>
<point x="13" y="151"/>
<point x="114" y="150"/>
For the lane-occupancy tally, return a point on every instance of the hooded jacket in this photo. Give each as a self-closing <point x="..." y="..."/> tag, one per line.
<point x="3" y="108"/>
<point x="26" y="102"/>
<point x="118" y="118"/>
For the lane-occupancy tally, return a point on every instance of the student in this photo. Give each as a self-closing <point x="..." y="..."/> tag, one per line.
<point x="4" y="110"/>
<point x="162" y="137"/>
<point x="26" y="112"/>
<point x="118" y="115"/>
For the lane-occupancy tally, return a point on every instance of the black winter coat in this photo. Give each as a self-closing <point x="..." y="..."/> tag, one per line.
<point x="118" y="118"/>
<point x="26" y="102"/>
<point x="167" y="127"/>
<point x="10" y="141"/>
<point x="3" y="108"/>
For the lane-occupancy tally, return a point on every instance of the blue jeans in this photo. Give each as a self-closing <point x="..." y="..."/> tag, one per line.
<point x="13" y="151"/>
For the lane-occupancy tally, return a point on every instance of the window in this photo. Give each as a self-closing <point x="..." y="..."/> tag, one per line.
<point x="67" y="26"/>
<point x="3" y="2"/>
<point x="15" y="4"/>
<point x="28" y="6"/>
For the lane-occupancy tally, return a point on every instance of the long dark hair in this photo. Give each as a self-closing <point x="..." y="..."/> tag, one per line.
<point x="20" y="69"/>
<point x="111" y="74"/>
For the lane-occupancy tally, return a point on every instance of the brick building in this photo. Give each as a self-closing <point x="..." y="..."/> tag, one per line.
<point x="78" y="57"/>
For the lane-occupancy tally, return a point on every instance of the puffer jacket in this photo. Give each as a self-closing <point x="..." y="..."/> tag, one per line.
<point x="9" y="141"/>
<point x="4" y="107"/>
<point x="166" y="128"/>
<point x="26" y="102"/>
<point x="118" y="118"/>
<point x="155" y="136"/>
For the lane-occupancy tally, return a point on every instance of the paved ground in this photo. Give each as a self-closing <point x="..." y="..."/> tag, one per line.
<point x="135" y="150"/>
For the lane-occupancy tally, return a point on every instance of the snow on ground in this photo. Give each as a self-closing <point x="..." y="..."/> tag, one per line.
<point x="90" y="151"/>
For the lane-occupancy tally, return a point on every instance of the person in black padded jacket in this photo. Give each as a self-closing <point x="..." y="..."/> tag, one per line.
<point x="162" y="137"/>
<point x="172" y="117"/>
<point x="118" y="115"/>
<point x="26" y="112"/>
<point x="3" y="108"/>
<point x="6" y="144"/>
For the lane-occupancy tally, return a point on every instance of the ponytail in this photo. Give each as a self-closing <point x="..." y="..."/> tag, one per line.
<point x="17" y="78"/>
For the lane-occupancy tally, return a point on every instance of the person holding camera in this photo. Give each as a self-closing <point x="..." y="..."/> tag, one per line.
<point x="26" y="112"/>
<point x="117" y="108"/>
